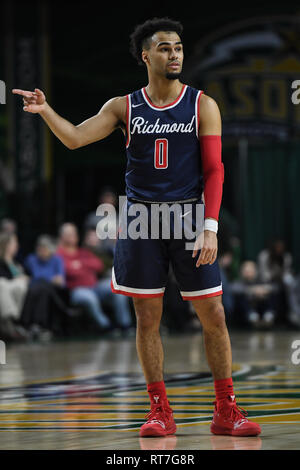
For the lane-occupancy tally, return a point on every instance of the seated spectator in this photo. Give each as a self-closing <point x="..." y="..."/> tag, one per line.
<point x="255" y="301"/>
<point x="118" y="303"/>
<point x="292" y="286"/>
<point x="13" y="288"/>
<point x="10" y="226"/>
<point x="44" y="263"/>
<point x="45" y="304"/>
<point x="107" y="196"/>
<point x="97" y="246"/>
<point x="82" y="269"/>
<point x="274" y="264"/>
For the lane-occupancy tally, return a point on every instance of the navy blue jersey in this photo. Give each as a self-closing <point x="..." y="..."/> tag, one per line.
<point x="162" y="146"/>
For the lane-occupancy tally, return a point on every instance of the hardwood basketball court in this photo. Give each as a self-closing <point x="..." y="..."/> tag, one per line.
<point x="91" y="394"/>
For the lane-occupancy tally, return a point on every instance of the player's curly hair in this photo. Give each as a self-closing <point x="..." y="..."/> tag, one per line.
<point x="143" y="32"/>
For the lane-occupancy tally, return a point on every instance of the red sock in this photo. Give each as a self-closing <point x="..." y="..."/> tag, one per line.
<point x="223" y="388"/>
<point x="157" y="392"/>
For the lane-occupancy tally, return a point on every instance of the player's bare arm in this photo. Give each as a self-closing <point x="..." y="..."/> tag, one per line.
<point x="209" y="124"/>
<point x="110" y="117"/>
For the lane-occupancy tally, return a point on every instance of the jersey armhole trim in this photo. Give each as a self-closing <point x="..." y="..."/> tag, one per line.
<point x="197" y="111"/>
<point x="128" y="119"/>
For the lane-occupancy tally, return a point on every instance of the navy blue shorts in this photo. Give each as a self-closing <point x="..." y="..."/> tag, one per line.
<point x="141" y="266"/>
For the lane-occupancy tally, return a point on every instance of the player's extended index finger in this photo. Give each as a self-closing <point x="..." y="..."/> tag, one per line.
<point x="28" y="94"/>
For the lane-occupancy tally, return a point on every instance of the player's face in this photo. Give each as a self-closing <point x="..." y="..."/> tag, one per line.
<point x="165" y="56"/>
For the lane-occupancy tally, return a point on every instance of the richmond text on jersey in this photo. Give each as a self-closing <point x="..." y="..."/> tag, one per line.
<point x="162" y="146"/>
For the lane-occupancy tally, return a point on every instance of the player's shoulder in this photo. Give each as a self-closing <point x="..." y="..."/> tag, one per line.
<point x="208" y="106"/>
<point x="115" y="105"/>
<point x="208" y="102"/>
<point x="116" y="102"/>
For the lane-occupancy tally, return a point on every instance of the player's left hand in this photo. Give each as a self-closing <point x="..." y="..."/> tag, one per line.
<point x="209" y="248"/>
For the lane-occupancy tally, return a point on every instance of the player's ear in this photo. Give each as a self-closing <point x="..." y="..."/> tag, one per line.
<point x="145" y="57"/>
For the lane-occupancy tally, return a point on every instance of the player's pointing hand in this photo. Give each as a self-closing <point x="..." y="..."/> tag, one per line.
<point x="34" y="101"/>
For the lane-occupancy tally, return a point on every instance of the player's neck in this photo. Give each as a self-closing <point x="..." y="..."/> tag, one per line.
<point x="162" y="91"/>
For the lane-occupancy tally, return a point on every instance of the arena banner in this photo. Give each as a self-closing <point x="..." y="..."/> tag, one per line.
<point x="248" y="67"/>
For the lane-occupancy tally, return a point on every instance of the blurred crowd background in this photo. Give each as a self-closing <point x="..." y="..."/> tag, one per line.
<point x="54" y="270"/>
<point x="62" y="288"/>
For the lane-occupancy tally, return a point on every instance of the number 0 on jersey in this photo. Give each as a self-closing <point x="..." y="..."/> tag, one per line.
<point x="161" y="153"/>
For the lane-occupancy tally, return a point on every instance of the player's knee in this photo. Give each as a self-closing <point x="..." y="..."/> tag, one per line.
<point x="147" y="319"/>
<point x="215" y="318"/>
<point x="148" y="313"/>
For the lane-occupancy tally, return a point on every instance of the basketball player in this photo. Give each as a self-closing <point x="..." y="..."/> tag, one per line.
<point x="173" y="141"/>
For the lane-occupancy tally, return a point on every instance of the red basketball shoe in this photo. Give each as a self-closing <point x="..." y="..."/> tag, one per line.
<point x="230" y="419"/>
<point x="160" y="421"/>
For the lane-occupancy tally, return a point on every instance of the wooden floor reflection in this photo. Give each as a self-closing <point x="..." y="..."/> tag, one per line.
<point x="91" y="394"/>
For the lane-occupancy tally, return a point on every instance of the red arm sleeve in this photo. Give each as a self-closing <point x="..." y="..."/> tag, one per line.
<point x="213" y="174"/>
